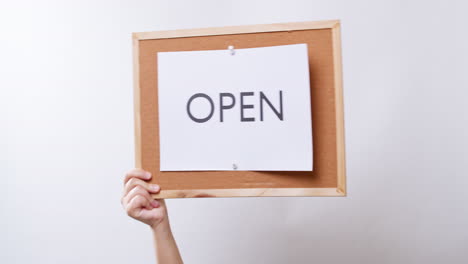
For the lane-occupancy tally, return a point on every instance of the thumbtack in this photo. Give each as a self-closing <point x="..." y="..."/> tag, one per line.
<point x="234" y="166"/>
<point x="231" y="50"/>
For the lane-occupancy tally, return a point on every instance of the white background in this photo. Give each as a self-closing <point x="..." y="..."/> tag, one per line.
<point x="66" y="138"/>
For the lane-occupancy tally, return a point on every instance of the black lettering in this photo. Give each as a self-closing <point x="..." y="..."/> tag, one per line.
<point x="222" y="106"/>
<point x="200" y="120"/>
<point x="279" y="113"/>
<point x="245" y="106"/>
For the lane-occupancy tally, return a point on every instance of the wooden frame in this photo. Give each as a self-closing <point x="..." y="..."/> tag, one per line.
<point x="337" y="188"/>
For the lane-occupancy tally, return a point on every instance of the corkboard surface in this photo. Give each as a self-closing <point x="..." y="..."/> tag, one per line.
<point x="323" y="101"/>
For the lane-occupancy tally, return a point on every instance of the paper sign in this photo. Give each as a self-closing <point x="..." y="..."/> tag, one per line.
<point x="245" y="109"/>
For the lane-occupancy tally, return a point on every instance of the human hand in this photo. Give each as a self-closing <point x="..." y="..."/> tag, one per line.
<point x="137" y="200"/>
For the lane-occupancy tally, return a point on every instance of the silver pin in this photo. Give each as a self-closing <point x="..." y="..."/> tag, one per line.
<point x="234" y="166"/>
<point x="232" y="50"/>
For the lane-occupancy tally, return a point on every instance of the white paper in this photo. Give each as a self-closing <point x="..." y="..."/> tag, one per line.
<point x="268" y="145"/>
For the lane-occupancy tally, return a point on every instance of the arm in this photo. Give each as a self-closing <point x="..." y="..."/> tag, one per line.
<point x="139" y="204"/>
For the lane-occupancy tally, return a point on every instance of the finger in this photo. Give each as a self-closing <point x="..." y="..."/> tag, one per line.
<point x="136" y="205"/>
<point x="155" y="203"/>
<point x="138" y="190"/>
<point x="161" y="202"/>
<point x="133" y="182"/>
<point x="137" y="173"/>
<point x="151" y="214"/>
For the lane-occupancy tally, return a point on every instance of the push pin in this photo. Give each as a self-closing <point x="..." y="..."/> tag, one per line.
<point x="234" y="166"/>
<point x="231" y="50"/>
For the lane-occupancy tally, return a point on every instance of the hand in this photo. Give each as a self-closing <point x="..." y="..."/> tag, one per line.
<point x="137" y="200"/>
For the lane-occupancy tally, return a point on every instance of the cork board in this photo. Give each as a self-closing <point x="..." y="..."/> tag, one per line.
<point x="328" y="176"/>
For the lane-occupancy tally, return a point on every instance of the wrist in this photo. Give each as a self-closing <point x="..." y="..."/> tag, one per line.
<point x="161" y="227"/>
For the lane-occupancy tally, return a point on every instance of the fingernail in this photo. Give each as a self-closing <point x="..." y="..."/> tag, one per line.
<point x="148" y="174"/>
<point x="154" y="187"/>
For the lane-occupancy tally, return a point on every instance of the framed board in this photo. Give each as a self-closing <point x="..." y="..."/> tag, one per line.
<point x="328" y="177"/>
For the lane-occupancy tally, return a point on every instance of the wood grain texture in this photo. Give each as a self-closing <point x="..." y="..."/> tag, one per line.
<point x="328" y="176"/>
<point x="339" y="105"/>
<point x="183" y="33"/>
<point x="251" y="192"/>
<point x="136" y="101"/>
